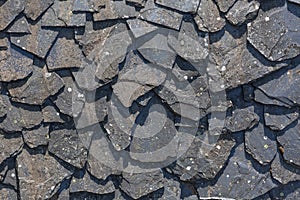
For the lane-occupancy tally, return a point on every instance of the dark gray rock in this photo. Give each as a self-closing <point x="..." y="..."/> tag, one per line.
<point x="82" y="6"/>
<point x="51" y="114"/>
<point x="261" y="97"/>
<point x="37" y="88"/>
<point x="294" y="1"/>
<point x="138" y="3"/>
<point x="241" y="119"/>
<point x="34" y="8"/>
<point x="9" y="11"/>
<point x="3" y="106"/>
<point x="39" y="175"/>
<point x="20" y="26"/>
<point x="283" y="172"/>
<point x="290" y="144"/>
<point x="7" y="193"/>
<point x="139" y="27"/>
<point x="36" y="137"/>
<point x="242" y="11"/>
<point x="278" y="118"/>
<point x="66" y="145"/>
<point x="239" y="173"/>
<point x="208" y="18"/>
<point x="158" y="15"/>
<point x="11" y="145"/>
<point x="261" y="144"/>
<point x="38" y="42"/>
<point x="181" y="5"/>
<point x="281" y="40"/>
<point x="224" y="5"/>
<point x="141" y="184"/>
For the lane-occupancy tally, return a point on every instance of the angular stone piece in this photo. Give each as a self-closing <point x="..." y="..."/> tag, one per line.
<point x="36" y="137"/>
<point x="11" y="144"/>
<point x="7" y="193"/>
<point x="15" y="66"/>
<point x="66" y="145"/>
<point x="82" y="6"/>
<point x="158" y="15"/>
<point x="38" y="42"/>
<point x="224" y="5"/>
<point x="39" y="175"/>
<point x="208" y="18"/>
<point x="114" y="10"/>
<point x="139" y="27"/>
<point x="20" y="26"/>
<point x="9" y="11"/>
<point x="37" y="88"/>
<point x="34" y="8"/>
<point x="241" y="119"/>
<point x="278" y="118"/>
<point x="239" y="173"/>
<point x="50" y="114"/>
<point x="138" y="185"/>
<point x="64" y="54"/>
<point x="281" y="42"/>
<point x="283" y="172"/>
<point x="295" y="1"/>
<point x="242" y="11"/>
<point x="141" y="3"/>
<point x="181" y="5"/>
<point x="83" y="182"/>
<point x="261" y="144"/>
<point x="291" y="143"/>
<point x="261" y="97"/>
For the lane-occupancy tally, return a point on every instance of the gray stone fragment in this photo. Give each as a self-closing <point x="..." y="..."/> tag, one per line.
<point x="60" y="14"/>
<point x="281" y="42"/>
<point x="50" y="114"/>
<point x="278" y="118"/>
<point x="283" y="172"/>
<point x="37" y="88"/>
<point x="141" y="184"/>
<point x="172" y="190"/>
<point x="7" y="193"/>
<point x="34" y="8"/>
<point x="66" y="145"/>
<point x="9" y="11"/>
<point x="114" y="10"/>
<point x="3" y="106"/>
<point x="241" y="119"/>
<point x="83" y="182"/>
<point x="38" y="42"/>
<point x="39" y="175"/>
<point x="224" y="5"/>
<point x="20" y="26"/>
<point x="138" y="3"/>
<point x="239" y="173"/>
<point x="181" y="5"/>
<point x="158" y="15"/>
<point x="139" y="27"/>
<point x="15" y="66"/>
<point x="291" y="143"/>
<point x="208" y="18"/>
<point x="82" y="6"/>
<point x="261" y="144"/>
<point x="10" y="178"/>
<point x="261" y="97"/>
<point x="11" y="144"/>
<point x="157" y="51"/>
<point x="295" y="1"/>
<point x="36" y="137"/>
<point x="64" y="54"/>
<point x="242" y="11"/>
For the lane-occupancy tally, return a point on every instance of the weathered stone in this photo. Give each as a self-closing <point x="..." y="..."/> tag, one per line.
<point x="82" y="6"/>
<point x="51" y="114"/>
<point x="208" y="18"/>
<point x="224" y="5"/>
<point x="138" y="185"/>
<point x="158" y="15"/>
<point x="39" y="175"/>
<point x="38" y="42"/>
<point x="261" y="97"/>
<point x="281" y="41"/>
<point x="15" y="66"/>
<point x="66" y="145"/>
<point x="140" y="28"/>
<point x="7" y="193"/>
<point x="278" y="118"/>
<point x="181" y="5"/>
<point x="11" y="145"/>
<point x="9" y="11"/>
<point x="36" y="137"/>
<point x="239" y="173"/>
<point x="37" y="88"/>
<point x="83" y="182"/>
<point x="283" y="172"/>
<point x="261" y="144"/>
<point x="290" y="144"/>
<point x="64" y="54"/>
<point x="241" y="119"/>
<point x="20" y="26"/>
<point x="34" y="8"/>
<point x="242" y="11"/>
<point x="114" y="10"/>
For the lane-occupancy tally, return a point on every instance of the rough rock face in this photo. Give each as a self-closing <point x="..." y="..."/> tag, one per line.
<point x="149" y="99"/>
